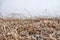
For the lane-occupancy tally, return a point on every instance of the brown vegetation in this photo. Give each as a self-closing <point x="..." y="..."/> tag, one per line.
<point x="30" y="29"/>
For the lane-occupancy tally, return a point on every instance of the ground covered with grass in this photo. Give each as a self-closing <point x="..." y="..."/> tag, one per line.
<point x="30" y="29"/>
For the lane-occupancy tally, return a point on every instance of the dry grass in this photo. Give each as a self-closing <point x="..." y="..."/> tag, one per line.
<point x="30" y="29"/>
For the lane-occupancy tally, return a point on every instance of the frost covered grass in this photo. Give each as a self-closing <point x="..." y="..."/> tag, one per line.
<point x="30" y="29"/>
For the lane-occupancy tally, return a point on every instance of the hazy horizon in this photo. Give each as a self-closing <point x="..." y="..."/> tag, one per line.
<point x="35" y="7"/>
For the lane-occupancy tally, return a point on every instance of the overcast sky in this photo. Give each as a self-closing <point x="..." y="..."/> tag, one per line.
<point x="35" y="7"/>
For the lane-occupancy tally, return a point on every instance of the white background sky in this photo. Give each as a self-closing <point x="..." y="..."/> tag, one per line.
<point x="35" y="7"/>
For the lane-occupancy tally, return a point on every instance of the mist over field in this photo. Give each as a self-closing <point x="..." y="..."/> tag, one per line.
<point x="34" y="7"/>
<point x="29" y="19"/>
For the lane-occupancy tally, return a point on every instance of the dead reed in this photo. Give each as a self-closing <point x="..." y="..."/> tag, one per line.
<point x="30" y="29"/>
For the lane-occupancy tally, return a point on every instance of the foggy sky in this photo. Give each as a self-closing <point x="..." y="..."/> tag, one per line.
<point x="35" y="7"/>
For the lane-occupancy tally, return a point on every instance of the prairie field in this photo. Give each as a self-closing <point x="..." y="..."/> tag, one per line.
<point x="30" y="29"/>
